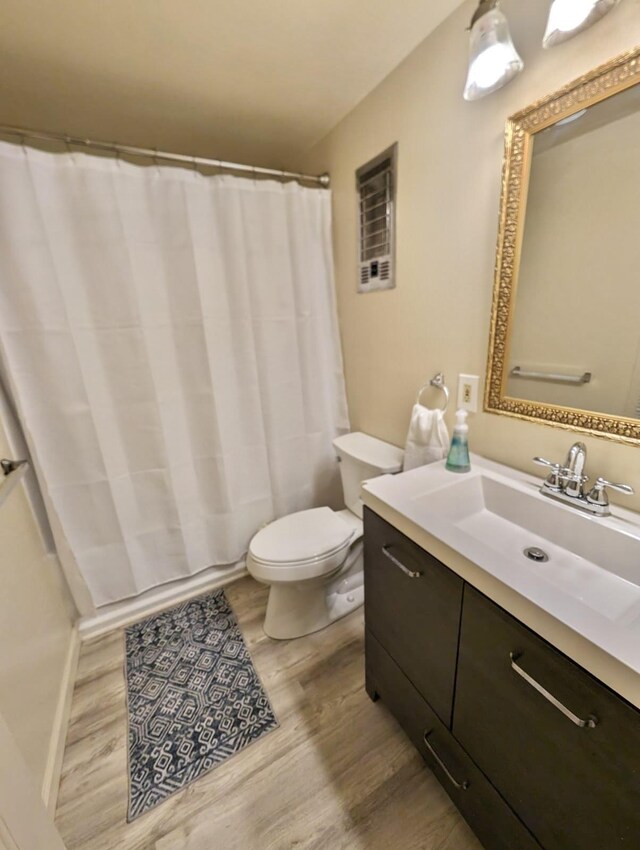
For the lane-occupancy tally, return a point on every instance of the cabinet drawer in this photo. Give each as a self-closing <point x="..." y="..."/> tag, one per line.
<point x="412" y="606"/>
<point x="518" y="706"/>
<point x="487" y="813"/>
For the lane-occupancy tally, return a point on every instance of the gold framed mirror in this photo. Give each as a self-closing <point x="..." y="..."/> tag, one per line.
<point x="564" y="343"/>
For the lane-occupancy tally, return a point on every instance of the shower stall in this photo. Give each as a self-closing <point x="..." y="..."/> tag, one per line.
<point x="170" y="344"/>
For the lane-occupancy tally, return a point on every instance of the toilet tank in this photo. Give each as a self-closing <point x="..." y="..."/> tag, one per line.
<point x="362" y="457"/>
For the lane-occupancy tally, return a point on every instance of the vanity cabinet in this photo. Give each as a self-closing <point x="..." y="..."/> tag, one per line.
<point x="493" y="821"/>
<point x="560" y="747"/>
<point x="534" y="751"/>
<point x="412" y="606"/>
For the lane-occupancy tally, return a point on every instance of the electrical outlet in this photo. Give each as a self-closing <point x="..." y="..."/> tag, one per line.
<point x="468" y="393"/>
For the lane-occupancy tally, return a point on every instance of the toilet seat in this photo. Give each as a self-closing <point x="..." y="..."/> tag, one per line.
<point x="303" y="545"/>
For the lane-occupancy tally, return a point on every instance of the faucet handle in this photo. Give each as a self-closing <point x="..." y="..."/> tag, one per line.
<point x="556" y="475"/>
<point x="541" y="461"/>
<point x="598" y="494"/>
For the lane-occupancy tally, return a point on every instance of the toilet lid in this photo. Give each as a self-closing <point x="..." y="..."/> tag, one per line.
<point x="302" y="536"/>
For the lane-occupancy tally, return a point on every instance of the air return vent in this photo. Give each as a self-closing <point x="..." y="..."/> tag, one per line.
<point x="376" y="184"/>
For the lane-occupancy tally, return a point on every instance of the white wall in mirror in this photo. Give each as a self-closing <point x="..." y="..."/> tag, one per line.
<point x="577" y="304"/>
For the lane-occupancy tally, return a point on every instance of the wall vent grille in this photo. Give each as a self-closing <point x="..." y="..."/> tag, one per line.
<point x="376" y="185"/>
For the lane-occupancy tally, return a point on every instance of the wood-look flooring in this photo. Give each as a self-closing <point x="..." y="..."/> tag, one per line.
<point x="338" y="773"/>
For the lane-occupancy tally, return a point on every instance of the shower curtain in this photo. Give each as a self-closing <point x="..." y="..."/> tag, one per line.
<point x="172" y="346"/>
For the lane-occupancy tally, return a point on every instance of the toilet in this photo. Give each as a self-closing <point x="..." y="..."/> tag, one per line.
<point x="312" y="559"/>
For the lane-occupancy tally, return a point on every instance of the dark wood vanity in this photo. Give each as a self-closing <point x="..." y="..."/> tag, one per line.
<point x="534" y="751"/>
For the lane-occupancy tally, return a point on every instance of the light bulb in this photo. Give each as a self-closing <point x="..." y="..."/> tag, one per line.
<point x="493" y="60"/>
<point x="569" y="17"/>
<point x="489" y="66"/>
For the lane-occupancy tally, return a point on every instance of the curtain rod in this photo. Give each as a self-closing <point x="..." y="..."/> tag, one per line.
<point x="113" y="147"/>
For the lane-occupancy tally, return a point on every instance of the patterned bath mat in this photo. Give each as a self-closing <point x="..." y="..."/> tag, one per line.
<point x="194" y="698"/>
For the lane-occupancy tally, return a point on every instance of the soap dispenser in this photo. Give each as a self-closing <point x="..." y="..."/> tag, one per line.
<point x="458" y="458"/>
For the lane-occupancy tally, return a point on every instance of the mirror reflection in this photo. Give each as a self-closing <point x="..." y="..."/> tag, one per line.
<point x="575" y="332"/>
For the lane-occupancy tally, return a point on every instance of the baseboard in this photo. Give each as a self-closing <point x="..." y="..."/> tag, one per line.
<point x="53" y="767"/>
<point x="152" y="602"/>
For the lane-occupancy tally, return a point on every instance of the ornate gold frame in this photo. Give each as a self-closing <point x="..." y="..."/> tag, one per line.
<point x="603" y="82"/>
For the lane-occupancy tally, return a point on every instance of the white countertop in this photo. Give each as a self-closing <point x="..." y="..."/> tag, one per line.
<point x="590" y="614"/>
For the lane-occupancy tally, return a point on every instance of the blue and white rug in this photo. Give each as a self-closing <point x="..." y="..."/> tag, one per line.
<point x="194" y="698"/>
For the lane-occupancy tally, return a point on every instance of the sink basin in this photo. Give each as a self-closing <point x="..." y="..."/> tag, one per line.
<point x="599" y="563"/>
<point x="480" y="524"/>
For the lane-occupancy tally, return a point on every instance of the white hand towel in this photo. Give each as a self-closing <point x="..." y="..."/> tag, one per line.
<point x="428" y="438"/>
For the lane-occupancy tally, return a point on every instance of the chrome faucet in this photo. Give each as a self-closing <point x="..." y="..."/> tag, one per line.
<point x="575" y="464"/>
<point x="565" y="483"/>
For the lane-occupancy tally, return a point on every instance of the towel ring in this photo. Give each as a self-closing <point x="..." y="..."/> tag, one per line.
<point x="438" y="382"/>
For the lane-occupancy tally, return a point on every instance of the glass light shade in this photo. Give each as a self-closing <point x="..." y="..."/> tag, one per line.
<point x="493" y="59"/>
<point x="569" y="17"/>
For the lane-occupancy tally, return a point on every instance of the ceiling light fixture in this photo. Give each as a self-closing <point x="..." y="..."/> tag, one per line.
<point x="493" y="59"/>
<point x="569" y="17"/>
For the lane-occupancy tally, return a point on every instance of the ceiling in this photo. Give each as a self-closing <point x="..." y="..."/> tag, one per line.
<point x="258" y="81"/>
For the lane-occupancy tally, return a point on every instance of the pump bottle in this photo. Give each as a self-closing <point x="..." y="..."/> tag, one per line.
<point x="458" y="458"/>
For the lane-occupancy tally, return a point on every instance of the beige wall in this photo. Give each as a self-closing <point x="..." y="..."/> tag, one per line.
<point x="35" y="630"/>
<point x="450" y="157"/>
<point x="577" y="305"/>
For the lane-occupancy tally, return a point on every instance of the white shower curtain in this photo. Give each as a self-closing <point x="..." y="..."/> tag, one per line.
<point x="172" y="345"/>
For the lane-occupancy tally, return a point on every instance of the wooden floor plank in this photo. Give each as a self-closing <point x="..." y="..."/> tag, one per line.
<point x="338" y="773"/>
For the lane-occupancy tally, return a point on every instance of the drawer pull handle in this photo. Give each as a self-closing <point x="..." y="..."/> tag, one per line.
<point x="590" y="723"/>
<point x="461" y="786"/>
<point x="394" y="560"/>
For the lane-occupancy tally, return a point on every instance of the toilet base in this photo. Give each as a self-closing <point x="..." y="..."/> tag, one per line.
<point x="296" y="609"/>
